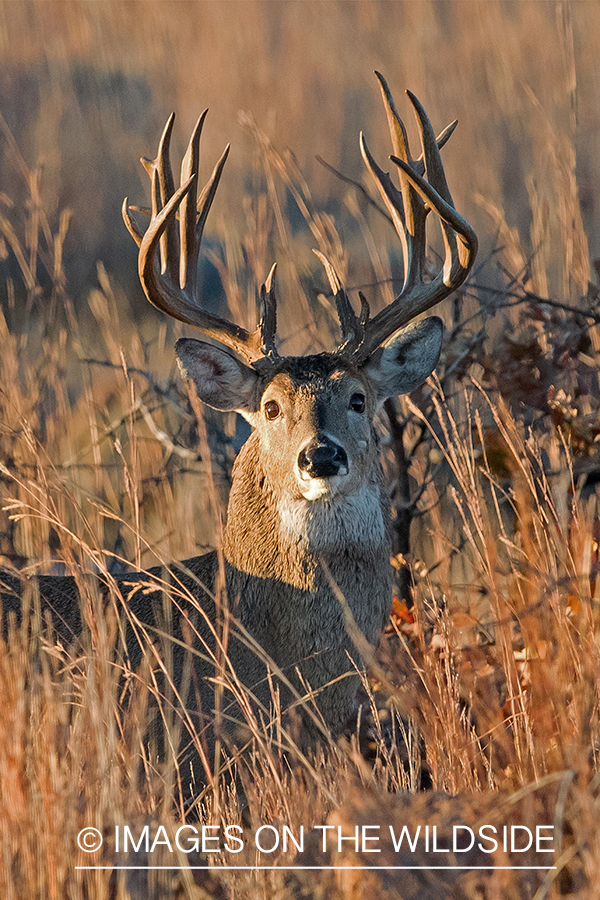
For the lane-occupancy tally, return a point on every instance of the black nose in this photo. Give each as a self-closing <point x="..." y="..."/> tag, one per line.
<point x="323" y="460"/>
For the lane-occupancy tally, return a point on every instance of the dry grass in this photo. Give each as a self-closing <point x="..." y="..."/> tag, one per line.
<point x="488" y="688"/>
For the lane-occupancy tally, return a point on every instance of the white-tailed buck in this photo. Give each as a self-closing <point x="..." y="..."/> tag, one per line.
<point x="307" y="539"/>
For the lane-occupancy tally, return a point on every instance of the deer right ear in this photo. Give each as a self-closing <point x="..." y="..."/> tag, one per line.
<point x="222" y="381"/>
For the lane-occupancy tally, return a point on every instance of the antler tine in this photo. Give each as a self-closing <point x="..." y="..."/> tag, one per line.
<point x="189" y="242"/>
<point x="392" y="198"/>
<point x="352" y="326"/>
<point x="457" y="251"/>
<point x="163" y="190"/>
<point x="131" y="226"/>
<point x="433" y="168"/>
<point x="268" y="321"/>
<point x="207" y="194"/>
<point x="395" y="124"/>
<point x="412" y="223"/>
<point x="423" y="187"/>
<point x="459" y="238"/>
<point x="170" y="284"/>
<point x="441" y="140"/>
<point x="195" y="209"/>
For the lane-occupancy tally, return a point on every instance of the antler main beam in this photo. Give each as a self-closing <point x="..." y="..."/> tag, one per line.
<point x="169" y="249"/>
<point x="423" y="188"/>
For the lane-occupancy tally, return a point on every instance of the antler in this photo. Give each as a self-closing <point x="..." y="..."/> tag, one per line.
<point x="178" y="218"/>
<point x="170" y="282"/>
<point x="409" y="208"/>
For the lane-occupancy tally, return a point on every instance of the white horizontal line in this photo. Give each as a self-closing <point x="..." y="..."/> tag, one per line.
<point x="313" y="868"/>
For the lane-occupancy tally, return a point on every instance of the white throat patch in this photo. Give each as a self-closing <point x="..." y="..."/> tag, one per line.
<point x="334" y="521"/>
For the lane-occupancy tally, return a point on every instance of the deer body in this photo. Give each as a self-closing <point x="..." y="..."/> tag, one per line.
<point x="288" y="554"/>
<point x="307" y="542"/>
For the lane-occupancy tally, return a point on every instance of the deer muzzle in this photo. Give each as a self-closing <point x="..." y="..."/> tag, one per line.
<point x="322" y="459"/>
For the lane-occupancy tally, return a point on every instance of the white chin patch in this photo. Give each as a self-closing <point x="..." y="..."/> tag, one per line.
<point x="316" y="488"/>
<point x="336" y="520"/>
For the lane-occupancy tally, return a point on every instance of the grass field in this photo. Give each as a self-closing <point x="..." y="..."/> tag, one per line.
<point x="485" y="686"/>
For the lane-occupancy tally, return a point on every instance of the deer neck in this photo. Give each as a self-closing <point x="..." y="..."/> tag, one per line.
<point x="274" y="536"/>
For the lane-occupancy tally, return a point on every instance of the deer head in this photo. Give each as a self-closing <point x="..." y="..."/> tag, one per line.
<point x="313" y="414"/>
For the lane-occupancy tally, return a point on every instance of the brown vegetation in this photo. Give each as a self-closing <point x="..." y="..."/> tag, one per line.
<point x="486" y="685"/>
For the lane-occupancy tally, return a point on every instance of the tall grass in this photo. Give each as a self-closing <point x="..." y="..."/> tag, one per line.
<point x="485" y="689"/>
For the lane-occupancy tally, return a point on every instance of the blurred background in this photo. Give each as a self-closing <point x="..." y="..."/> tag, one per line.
<point x="86" y="87"/>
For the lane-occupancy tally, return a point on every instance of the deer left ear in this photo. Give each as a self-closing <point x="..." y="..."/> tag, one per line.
<point x="407" y="360"/>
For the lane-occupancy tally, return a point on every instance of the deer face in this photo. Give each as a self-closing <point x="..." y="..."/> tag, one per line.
<point x="314" y="414"/>
<point x="314" y="425"/>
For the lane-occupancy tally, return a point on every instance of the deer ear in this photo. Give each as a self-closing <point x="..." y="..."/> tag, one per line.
<point x="222" y="381"/>
<point x="407" y="360"/>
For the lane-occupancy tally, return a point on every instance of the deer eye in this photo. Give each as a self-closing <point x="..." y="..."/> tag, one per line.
<point x="272" y="409"/>
<point x="357" y="403"/>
